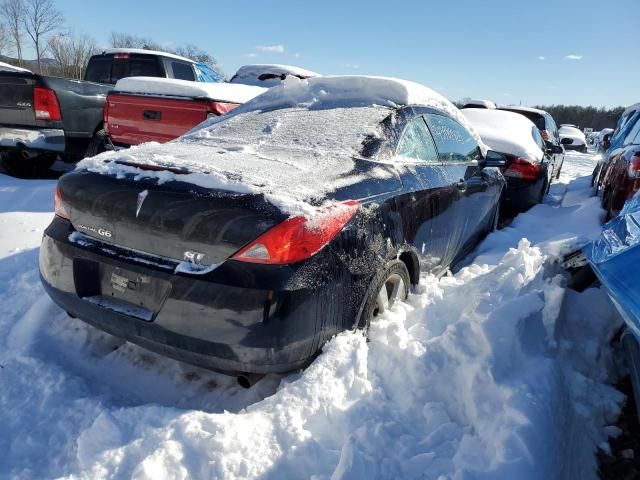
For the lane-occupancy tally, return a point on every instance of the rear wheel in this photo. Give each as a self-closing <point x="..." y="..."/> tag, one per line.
<point x="390" y="285"/>
<point x="97" y="144"/>
<point x="20" y="166"/>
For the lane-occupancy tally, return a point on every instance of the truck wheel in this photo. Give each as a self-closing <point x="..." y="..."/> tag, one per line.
<point x="19" y="166"/>
<point x="97" y="144"/>
<point x="389" y="286"/>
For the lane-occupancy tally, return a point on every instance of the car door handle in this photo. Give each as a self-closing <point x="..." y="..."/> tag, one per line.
<point x="461" y="185"/>
<point x="152" y="115"/>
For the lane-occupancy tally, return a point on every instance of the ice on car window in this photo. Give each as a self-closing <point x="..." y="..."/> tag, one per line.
<point x="454" y="142"/>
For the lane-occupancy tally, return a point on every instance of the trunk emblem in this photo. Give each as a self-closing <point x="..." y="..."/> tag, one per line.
<point x="141" y="198"/>
<point x="195" y="258"/>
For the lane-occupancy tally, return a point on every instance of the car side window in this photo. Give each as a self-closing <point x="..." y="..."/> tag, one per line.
<point x="453" y="141"/>
<point x="633" y="135"/>
<point x="538" y="138"/>
<point x="182" y="71"/>
<point x="417" y="143"/>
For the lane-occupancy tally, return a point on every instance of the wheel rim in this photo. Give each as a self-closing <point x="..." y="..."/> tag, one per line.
<point x="391" y="291"/>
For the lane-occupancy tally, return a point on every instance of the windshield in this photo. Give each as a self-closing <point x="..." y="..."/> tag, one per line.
<point x="331" y="130"/>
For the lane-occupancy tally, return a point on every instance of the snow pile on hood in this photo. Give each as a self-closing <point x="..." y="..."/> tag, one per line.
<point x="267" y="75"/>
<point x="506" y="132"/>
<point x="497" y="372"/>
<point x="223" y="92"/>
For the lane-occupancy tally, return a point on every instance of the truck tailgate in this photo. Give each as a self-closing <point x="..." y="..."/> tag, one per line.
<point x="16" y="99"/>
<point x="134" y="119"/>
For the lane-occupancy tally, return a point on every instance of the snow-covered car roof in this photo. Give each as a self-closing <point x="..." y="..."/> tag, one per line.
<point x="630" y="109"/>
<point x="354" y="90"/>
<point x="480" y="103"/>
<point x="224" y="92"/>
<point x="142" y="51"/>
<point x="271" y="74"/>
<point x="525" y="109"/>
<point x="506" y="132"/>
<point x="6" y="67"/>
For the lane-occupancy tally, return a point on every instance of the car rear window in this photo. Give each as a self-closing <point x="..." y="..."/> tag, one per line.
<point x="182" y="71"/>
<point x="536" y="118"/>
<point x="99" y="70"/>
<point x="107" y="69"/>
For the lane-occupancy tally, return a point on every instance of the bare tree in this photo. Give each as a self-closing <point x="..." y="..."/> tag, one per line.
<point x="4" y="40"/>
<point x="126" y="40"/>
<point x="13" y="13"/>
<point x="71" y="54"/>
<point x="41" y="18"/>
<point x="196" y="53"/>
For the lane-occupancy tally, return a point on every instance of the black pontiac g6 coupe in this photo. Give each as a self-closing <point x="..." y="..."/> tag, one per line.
<point x="247" y="243"/>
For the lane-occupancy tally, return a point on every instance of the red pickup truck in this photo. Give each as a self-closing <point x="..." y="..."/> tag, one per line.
<point x="145" y="109"/>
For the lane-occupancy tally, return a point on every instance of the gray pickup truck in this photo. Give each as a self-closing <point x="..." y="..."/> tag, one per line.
<point x="43" y="118"/>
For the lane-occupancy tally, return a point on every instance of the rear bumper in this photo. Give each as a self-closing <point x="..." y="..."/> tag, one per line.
<point x="214" y="325"/>
<point x="521" y="194"/>
<point x="32" y="139"/>
<point x="575" y="146"/>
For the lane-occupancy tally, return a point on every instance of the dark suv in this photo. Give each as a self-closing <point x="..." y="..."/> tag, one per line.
<point x="548" y="129"/>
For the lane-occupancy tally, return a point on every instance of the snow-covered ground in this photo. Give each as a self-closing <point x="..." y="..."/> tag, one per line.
<point x="495" y="372"/>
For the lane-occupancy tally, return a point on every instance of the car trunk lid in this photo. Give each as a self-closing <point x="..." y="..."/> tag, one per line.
<point x="175" y="220"/>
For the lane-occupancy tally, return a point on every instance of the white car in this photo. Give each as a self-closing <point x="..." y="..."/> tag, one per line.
<point x="529" y="168"/>
<point x="265" y="75"/>
<point x="479" y="103"/>
<point x="572" y="138"/>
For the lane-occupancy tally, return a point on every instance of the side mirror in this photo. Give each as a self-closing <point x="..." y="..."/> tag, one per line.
<point x="606" y="142"/>
<point x="554" y="149"/>
<point x="494" y="159"/>
<point x="566" y="141"/>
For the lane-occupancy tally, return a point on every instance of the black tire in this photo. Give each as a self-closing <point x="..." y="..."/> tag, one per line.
<point x="543" y="191"/>
<point x="395" y="269"/>
<point x="97" y="144"/>
<point x="18" y="166"/>
<point x="559" y="170"/>
<point x="496" y="216"/>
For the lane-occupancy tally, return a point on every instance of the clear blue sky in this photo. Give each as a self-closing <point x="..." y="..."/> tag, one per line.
<point x="564" y="51"/>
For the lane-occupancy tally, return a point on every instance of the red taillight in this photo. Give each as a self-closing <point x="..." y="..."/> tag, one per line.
<point x="298" y="238"/>
<point x="45" y="104"/>
<point x="524" y="169"/>
<point x="215" y="109"/>
<point x="105" y="116"/>
<point x="545" y="135"/>
<point x="121" y="55"/>
<point x="58" y="206"/>
<point x="634" y="167"/>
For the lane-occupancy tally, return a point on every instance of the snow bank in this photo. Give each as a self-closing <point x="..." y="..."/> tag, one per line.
<point x="505" y="132"/>
<point x="496" y="372"/>
<point x="222" y="92"/>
